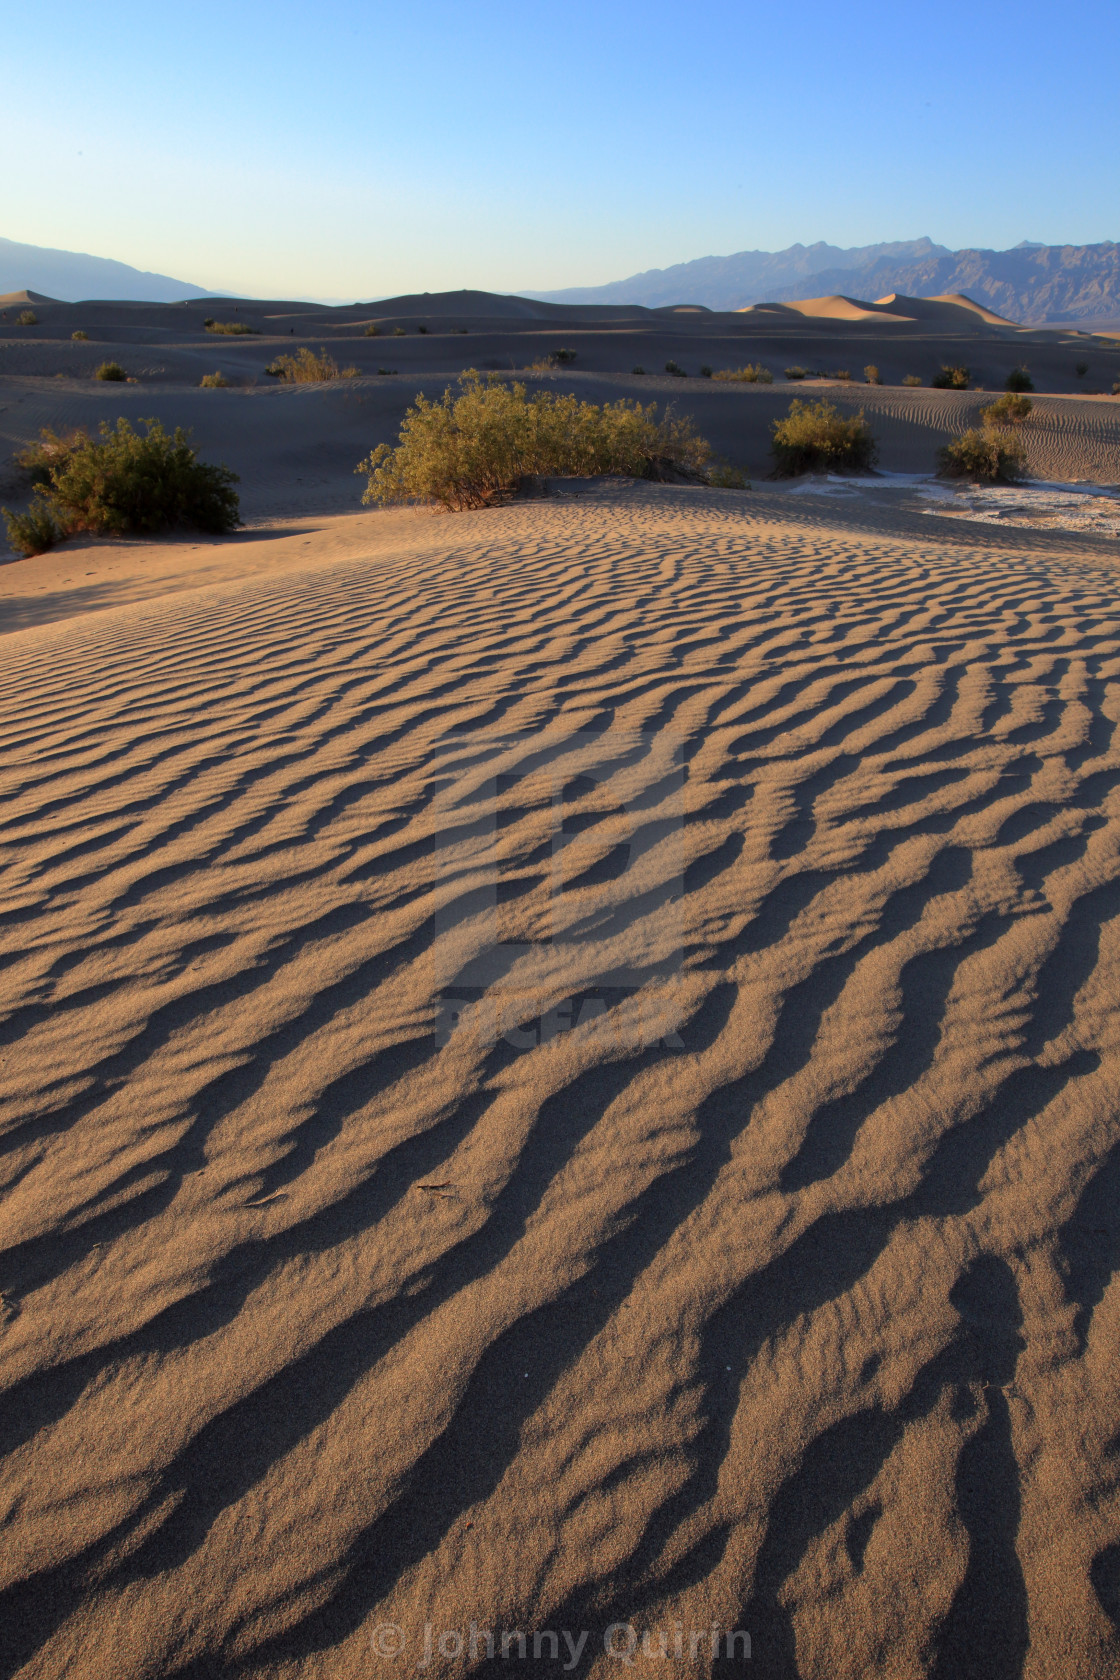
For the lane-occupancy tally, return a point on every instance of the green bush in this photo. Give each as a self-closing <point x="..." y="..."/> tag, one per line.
<point x="474" y="450"/>
<point x="132" y="482"/>
<point x="373" y="330"/>
<point x="705" y="372"/>
<point x="842" y="373"/>
<point x="33" y="532"/>
<point x="1116" y="388"/>
<point x="232" y="329"/>
<point x="1010" y="410"/>
<point x="872" y="375"/>
<point x="421" y="329"/>
<point x="1082" y="369"/>
<point x="637" y="370"/>
<point x="816" y="437"/>
<point x="307" y="368"/>
<point x="82" y="336"/>
<point x="561" y="358"/>
<point x="111" y="370"/>
<point x="213" y="381"/>
<point x="398" y="332"/>
<point x="753" y="374"/>
<point x="388" y="372"/>
<point x="38" y="458"/>
<point x="1018" y="380"/>
<point x="27" y="318"/>
<point x="912" y="379"/>
<point x="988" y="455"/>
<point x="676" y="371"/>
<point x="797" y="373"/>
<point x="950" y="378"/>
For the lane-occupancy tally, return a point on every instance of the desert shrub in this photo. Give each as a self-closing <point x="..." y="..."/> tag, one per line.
<point x="1116" y="389"/>
<point x="1018" y="380"/>
<point x="1010" y="410"/>
<point x="373" y="330"/>
<point x="676" y="370"/>
<point x="473" y="450"/>
<point x="872" y="375"/>
<point x="33" y="532"/>
<point x="950" y="378"/>
<point x="1082" y="369"/>
<point x="988" y="454"/>
<point x="421" y="329"/>
<point x="842" y="373"/>
<point x="723" y="476"/>
<point x="111" y="370"/>
<point x="816" y="437"/>
<point x="705" y="372"/>
<point x="38" y="458"/>
<point x="388" y="372"/>
<point x="307" y="368"/>
<point x="796" y="373"/>
<point x="912" y="379"/>
<point x="27" y="318"/>
<point x="232" y="329"/>
<point x="637" y="370"/>
<point x="753" y="374"/>
<point x="213" y="381"/>
<point x="83" y="337"/>
<point x="133" y="482"/>
<point x="398" y="332"/>
<point x="561" y="358"/>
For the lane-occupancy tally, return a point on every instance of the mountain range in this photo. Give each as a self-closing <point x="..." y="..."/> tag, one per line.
<point x="71" y="276"/>
<point x="1031" y="283"/>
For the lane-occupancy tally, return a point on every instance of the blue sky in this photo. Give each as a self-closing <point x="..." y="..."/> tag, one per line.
<point x="340" y="149"/>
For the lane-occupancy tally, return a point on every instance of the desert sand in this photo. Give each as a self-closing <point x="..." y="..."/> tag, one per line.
<point x="560" y="1073"/>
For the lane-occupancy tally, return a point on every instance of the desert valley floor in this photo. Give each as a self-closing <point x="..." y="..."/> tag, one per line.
<point x="560" y="1071"/>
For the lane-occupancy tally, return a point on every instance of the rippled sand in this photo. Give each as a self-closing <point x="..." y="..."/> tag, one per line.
<point x="330" y="1306"/>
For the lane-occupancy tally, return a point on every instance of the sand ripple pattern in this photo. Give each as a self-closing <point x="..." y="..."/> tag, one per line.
<point x="315" y="1321"/>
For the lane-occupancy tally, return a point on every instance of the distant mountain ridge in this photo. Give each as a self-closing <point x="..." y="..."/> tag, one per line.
<point x="1032" y="283"/>
<point x="73" y="277"/>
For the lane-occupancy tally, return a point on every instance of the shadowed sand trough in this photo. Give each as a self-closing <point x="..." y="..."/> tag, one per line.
<point x="327" y="1308"/>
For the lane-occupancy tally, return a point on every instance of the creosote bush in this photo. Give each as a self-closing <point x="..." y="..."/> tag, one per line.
<point x="82" y="337"/>
<point x="1081" y="369"/>
<point x="112" y="371"/>
<point x="561" y="358"/>
<point x="637" y="370"/>
<point x="950" y="378"/>
<point x="373" y="330"/>
<point x="989" y="455"/>
<point x="912" y="379"/>
<point x="307" y="368"/>
<point x="796" y="373"/>
<point x="27" y="318"/>
<point x="1018" y="380"/>
<point x="872" y="375"/>
<point x="676" y="370"/>
<point x="474" y="449"/>
<point x="705" y="372"/>
<point x="816" y="437"/>
<point x="33" y="532"/>
<point x="398" y="332"/>
<point x="213" y="381"/>
<point x="421" y="329"/>
<point x="127" y="482"/>
<point x="842" y="373"/>
<point x="232" y="329"/>
<point x="753" y="374"/>
<point x="1010" y="410"/>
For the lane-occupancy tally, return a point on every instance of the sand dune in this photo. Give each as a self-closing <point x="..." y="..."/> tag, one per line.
<point x="734" y="1242"/>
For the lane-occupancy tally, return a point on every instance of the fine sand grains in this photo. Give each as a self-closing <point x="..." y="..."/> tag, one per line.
<point x="567" y="1074"/>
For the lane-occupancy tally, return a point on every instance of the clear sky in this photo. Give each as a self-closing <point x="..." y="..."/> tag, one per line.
<point x="343" y="149"/>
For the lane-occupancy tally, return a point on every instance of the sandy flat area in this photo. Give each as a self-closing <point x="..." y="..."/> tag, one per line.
<point x="561" y="1071"/>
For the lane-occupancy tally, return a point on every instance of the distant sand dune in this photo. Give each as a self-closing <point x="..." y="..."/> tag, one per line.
<point x="319" y="1320"/>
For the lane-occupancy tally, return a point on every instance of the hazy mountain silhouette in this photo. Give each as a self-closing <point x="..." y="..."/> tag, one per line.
<point x="72" y="276"/>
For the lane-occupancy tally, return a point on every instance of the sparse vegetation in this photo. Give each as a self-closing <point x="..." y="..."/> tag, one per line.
<point x="912" y="379"/>
<point x="872" y="375"/>
<point x="950" y="378"/>
<point x="307" y="368"/>
<point x="398" y="332"/>
<point x="421" y="329"/>
<point x="33" y="532"/>
<point x="1018" y="380"/>
<point x="676" y="371"/>
<point x="705" y="372"/>
<point x="213" y="381"/>
<point x="27" y="318"/>
<point x="1082" y="369"/>
<point x="388" y="372"/>
<point x="1116" y="388"/>
<point x="842" y="373"/>
<point x="753" y="374"/>
<point x="126" y="482"/>
<point x="637" y="370"/>
<point x="816" y="437"/>
<point x="111" y="370"/>
<point x="373" y="330"/>
<point x="561" y="358"/>
<point x="1010" y="410"/>
<point x="988" y="454"/>
<point x="232" y="329"/>
<point x="82" y="337"/>
<point x="797" y="373"/>
<point x="474" y="449"/>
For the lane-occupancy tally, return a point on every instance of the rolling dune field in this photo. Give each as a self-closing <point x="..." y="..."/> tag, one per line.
<point x="560" y="1071"/>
